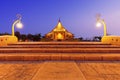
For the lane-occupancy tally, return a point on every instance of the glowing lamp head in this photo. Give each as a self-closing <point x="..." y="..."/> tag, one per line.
<point x="19" y="25"/>
<point x="98" y="24"/>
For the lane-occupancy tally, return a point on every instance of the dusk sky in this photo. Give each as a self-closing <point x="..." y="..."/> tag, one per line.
<point x="77" y="16"/>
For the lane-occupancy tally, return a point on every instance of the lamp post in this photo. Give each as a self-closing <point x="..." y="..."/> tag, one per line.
<point x="16" y="23"/>
<point x="11" y="39"/>
<point x="106" y="38"/>
<point x="101" y="22"/>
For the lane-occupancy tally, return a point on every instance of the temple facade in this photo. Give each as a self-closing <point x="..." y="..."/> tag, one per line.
<point x="59" y="33"/>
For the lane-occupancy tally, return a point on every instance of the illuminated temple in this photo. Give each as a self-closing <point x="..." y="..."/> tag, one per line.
<point x="59" y="33"/>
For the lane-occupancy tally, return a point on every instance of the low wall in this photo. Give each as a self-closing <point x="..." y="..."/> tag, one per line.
<point x="111" y="39"/>
<point x="7" y="39"/>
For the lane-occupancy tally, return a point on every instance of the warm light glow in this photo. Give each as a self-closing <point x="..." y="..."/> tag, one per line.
<point x="98" y="24"/>
<point x="59" y="25"/>
<point x="59" y="36"/>
<point x="19" y="25"/>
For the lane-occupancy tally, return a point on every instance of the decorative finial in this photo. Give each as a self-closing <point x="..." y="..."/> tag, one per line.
<point x="19" y="16"/>
<point x="98" y="15"/>
<point x="59" y="20"/>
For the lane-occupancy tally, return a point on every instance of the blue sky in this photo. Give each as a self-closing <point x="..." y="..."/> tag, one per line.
<point x="77" y="16"/>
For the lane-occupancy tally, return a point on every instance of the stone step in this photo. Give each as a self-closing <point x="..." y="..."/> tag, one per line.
<point x="61" y="46"/>
<point x="60" y="43"/>
<point x="72" y="50"/>
<point x="60" y="50"/>
<point x="80" y="51"/>
<point x="60" y="57"/>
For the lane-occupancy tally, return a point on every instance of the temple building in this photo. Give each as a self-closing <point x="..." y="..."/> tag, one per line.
<point x="59" y="33"/>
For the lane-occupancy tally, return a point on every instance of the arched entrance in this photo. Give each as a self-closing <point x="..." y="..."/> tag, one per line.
<point x="60" y="36"/>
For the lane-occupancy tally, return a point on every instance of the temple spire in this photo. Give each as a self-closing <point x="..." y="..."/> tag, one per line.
<point x="59" y="20"/>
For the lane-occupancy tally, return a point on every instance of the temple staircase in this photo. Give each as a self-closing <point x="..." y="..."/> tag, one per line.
<point x="60" y="51"/>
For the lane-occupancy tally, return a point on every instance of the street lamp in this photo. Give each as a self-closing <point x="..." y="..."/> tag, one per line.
<point x="11" y="39"/>
<point x="16" y="23"/>
<point x="101" y="22"/>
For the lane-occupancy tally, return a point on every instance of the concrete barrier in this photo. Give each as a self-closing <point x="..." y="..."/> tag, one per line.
<point x="3" y="41"/>
<point x="111" y="40"/>
<point x="7" y="39"/>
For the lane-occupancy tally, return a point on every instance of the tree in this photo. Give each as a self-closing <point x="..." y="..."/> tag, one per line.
<point x="97" y="38"/>
<point x="37" y="37"/>
<point x="30" y="37"/>
<point x="17" y="34"/>
<point x="4" y="33"/>
<point x="23" y="37"/>
<point x="80" y="38"/>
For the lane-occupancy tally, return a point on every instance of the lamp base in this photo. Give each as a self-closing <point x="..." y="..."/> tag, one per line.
<point x="8" y="39"/>
<point x="111" y="39"/>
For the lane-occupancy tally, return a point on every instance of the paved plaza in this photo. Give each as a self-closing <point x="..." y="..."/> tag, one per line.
<point x="56" y="70"/>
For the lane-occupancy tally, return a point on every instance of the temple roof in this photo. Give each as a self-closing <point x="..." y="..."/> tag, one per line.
<point x="59" y="27"/>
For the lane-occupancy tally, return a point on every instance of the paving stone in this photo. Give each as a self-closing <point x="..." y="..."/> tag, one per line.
<point x="59" y="71"/>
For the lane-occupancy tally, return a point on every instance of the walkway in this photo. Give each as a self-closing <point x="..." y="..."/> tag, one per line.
<point x="57" y="70"/>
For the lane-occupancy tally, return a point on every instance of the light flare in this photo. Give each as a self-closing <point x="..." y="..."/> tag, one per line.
<point x="98" y="24"/>
<point x="19" y="25"/>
